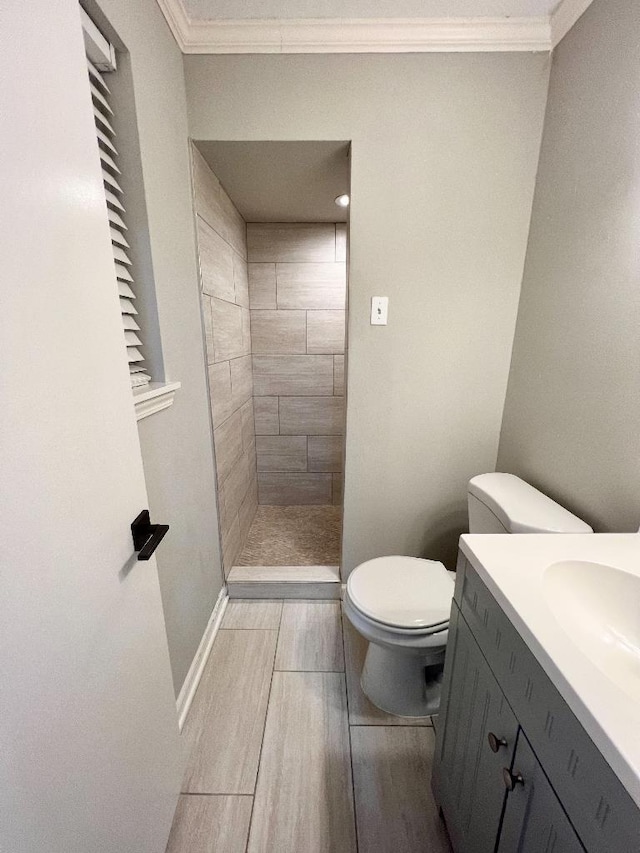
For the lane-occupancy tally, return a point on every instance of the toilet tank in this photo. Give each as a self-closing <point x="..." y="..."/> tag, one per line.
<point x="503" y="503"/>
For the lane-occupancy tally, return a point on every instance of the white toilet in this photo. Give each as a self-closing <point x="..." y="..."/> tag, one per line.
<point x="401" y="605"/>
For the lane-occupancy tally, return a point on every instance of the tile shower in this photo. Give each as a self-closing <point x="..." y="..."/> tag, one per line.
<point x="274" y="312"/>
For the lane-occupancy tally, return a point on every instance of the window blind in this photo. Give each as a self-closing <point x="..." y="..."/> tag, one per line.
<point x="98" y="48"/>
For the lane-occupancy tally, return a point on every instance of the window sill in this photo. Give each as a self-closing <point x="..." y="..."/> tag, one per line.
<point x="154" y="398"/>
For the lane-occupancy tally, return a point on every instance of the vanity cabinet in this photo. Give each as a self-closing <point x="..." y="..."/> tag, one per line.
<point x="514" y="770"/>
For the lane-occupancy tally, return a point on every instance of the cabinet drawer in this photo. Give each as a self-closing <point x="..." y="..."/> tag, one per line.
<point x="603" y="813"/>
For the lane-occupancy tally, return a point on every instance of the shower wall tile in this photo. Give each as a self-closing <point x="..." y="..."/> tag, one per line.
<point x="207" y="323"/>
<point x="281" y="452"/>
<point x="241" y="381"/>
<point x="325" y="331"/>
<point x="338" y="375"/>
<point x="338" y="489"/>
<point x="311" y="286"/>
<point x="225" y="304"/>
<point x="266" y="415"/>
<point x="240" y="281"/>
<point x="215" y="207"/>
<point x="248" y="424"/>
<point x="282" y="332"/>
<point x="296" y="375"/>
<point x="325" y="453"/>
<point x="216" y="262"/>
<point x="341" y="242"/>
<point x="284" y="489"/>
<point x="311" y="415"/>
<point x="228" y="445"/>
<point x="290" y="242"/>
<point x="220" y="392"/>
<point x="227" y="330"/>
<point x="262" y="285"/>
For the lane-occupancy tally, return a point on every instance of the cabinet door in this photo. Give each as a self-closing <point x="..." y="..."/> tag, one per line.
<point x="468" y="781"/>
<point x="534" y="821"/>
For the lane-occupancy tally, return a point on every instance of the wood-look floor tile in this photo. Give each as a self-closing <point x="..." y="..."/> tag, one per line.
<point x="303" y="798"/>
<point x="394" y="807"/>
<point x="246" y="613"/>
<point x="226" y="721"/>
<point x="206" y="824"/>
<point x="362" y="712"/>
<point x="310" y="637"/>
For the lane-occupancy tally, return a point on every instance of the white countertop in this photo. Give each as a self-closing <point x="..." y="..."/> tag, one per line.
<point x="512" y="567"/>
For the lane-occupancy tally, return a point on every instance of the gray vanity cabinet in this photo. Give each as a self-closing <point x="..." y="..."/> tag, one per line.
<point x="534" y="821"/>
<point x="502" y="718"/>
<point x="479" y="740"/>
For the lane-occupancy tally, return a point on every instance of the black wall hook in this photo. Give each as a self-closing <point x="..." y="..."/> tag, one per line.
<point x="147" y="536"/>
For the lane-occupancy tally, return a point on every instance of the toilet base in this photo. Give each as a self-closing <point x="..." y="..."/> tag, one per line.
<point x="406" y="685"/>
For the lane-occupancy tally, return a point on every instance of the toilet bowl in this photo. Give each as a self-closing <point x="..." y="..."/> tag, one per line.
<point x="401" y="605"/>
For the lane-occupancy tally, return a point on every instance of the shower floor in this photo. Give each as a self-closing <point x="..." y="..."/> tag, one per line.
<point x="294" y="536"/>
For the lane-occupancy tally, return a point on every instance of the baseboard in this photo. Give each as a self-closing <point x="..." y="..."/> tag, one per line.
<point x="190" y="685"/>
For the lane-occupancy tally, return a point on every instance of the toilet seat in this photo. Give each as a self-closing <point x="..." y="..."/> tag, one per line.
<point x="403" y="593"/>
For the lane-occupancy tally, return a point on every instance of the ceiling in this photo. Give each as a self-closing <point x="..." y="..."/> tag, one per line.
<point x="282" y="181"/>
<point x="262" y="9"/>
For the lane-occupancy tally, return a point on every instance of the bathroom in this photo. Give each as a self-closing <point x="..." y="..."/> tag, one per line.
<point x="226" y="691"/>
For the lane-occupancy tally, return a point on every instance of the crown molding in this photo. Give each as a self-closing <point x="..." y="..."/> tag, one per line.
<point x="371" y="35"/>
<point x="565" y="15"/>
<point x="368" y="35"/>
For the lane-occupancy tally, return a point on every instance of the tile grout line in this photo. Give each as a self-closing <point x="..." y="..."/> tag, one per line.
<point x="346" y="690"/>
<point x="255" y="787"/>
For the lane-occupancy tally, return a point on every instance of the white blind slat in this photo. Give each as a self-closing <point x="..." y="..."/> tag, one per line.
<point x="97" y="77"/>
<point x="108" y="162"/>
<point x="113" y="200"/>
<point x="105" y="142"/>
<point x="134" y="354"/>
<point x="139" y="379"/>
<point x="121" y="256"/>
<point x="113" y="193"/>
<point x="118" y="238"/>
<point x="115" y="219"/>
<point x="127" y="306"/>
<point x="123" y="273"/>
<point x="129" y="323"/>
<point x="103" y="121"/>
<point x="111" y="182"/>
<point x="97" y="95"/>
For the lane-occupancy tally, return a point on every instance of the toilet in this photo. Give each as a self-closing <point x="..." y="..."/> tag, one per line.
<point x="401" y="605"/>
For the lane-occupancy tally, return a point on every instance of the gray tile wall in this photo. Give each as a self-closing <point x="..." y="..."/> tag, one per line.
<point x="222" y="251"/>
<point x="297" y="296"/>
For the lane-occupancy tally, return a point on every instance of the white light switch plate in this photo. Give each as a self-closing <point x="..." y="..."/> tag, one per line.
<point x="379" y="310"/>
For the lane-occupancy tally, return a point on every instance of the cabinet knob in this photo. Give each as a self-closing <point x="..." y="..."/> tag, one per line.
<point x="496" y="742"/>
<point x="511" y="779"/>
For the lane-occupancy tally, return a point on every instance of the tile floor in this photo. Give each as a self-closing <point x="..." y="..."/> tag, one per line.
<point x="294" y="536"/>
<point x="287" y="755"/>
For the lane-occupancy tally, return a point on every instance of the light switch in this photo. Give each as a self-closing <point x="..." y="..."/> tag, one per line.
<point x="379" y="310"/>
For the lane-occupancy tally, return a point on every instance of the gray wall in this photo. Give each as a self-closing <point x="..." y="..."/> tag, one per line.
<point x="176" y="443"/>
<point x="573" y="403"/>
<point x="445" y="149"/>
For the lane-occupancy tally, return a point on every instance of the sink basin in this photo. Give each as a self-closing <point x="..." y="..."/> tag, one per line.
<point x="598" y="607"/>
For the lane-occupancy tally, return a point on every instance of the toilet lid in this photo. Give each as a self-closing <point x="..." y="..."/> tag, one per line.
<point x="404" y="592"/>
